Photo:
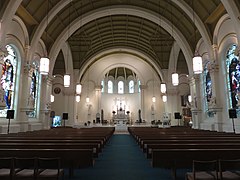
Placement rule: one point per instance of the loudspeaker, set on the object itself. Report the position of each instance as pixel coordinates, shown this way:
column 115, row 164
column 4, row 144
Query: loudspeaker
column 52, row 114
column 177, row 115
column 10, row 114
column 65, row 116
column 232, row 113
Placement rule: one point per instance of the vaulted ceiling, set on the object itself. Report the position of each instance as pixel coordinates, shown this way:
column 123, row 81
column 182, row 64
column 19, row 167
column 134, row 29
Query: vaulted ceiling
column 121, row 30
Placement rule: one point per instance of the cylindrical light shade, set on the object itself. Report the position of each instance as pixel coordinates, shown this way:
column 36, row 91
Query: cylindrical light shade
column 153, row 99
column 78, row 98
column 66, row 80
column 163, row 88
column 175, row 80
column 52, row 98
column 197, row 64
column 87, row 99
column 78, row 89
column 44, row 65
column 164, row 98
column 189, row 98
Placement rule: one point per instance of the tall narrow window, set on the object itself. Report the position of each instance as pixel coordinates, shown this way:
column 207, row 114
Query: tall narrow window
column 233, row 77
column 33, row 98
column 131, row 86
column 102, row 86
column 207, row 85
column 120, row 87
column 110, row 87
column 207, row 82
column 139, row 84
column 8, row 77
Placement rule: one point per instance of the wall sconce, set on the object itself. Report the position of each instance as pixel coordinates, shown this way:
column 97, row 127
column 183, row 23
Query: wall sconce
column 52, row 98
column 163, row 88
column 66, row 80
column 175, row 80
column 87, row 99
column 78, row 88
column 44, row 65
column 154, row 99
column 78, row 98
column 164, row 98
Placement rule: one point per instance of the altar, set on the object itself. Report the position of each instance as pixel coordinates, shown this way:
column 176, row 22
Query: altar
column 121, row 117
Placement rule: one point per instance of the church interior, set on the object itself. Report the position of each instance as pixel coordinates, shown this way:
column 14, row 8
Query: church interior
column 102, row 68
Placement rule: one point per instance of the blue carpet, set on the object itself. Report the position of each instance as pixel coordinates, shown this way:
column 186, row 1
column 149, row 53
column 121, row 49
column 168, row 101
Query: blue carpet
column 122, row 159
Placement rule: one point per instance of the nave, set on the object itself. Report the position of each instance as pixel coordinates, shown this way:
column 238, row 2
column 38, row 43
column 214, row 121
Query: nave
column 123, row 159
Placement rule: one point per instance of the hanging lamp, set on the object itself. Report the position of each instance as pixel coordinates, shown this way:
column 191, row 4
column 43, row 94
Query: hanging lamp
column 67, row 78
column 197, row 59
column 164, row 98
column 78, row 88
column 44, row 61
column 163, row 88
column 78, row 98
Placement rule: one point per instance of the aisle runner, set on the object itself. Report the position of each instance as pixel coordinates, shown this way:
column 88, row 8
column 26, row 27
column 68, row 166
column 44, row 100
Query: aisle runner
column 122, row 159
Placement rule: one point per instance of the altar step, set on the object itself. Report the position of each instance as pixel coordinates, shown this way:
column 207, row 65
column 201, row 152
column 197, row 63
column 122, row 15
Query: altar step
column 121, row 129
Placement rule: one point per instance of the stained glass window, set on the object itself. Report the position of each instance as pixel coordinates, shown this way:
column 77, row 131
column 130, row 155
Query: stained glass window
column 110, row 86
column 120, row 87
column 131, row 86
column 8, row 76
column 33, row 98
column 207, row 82
column 233, row 77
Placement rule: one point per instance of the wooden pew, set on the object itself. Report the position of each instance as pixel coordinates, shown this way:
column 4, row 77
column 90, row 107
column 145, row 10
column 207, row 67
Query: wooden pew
column 70, row 158
column 152, row 147
column 182, row 158
column 94, row 146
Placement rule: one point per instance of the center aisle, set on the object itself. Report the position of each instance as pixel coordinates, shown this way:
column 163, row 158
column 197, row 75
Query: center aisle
column 122, row 159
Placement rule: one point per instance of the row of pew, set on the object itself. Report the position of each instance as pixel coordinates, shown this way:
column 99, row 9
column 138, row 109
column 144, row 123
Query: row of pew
column 76, row 148
column 177, row 147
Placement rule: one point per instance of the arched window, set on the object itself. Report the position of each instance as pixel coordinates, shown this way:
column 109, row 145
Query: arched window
column 131, row 86
column 8, row 78
column 33, row 98
column 233, row 77
column 110, row 86
column 120, row 87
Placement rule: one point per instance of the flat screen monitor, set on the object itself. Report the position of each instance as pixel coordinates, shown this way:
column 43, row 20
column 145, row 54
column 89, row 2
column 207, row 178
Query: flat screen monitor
column 56, row 121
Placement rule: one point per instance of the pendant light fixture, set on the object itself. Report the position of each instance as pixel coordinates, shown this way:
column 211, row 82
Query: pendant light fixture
column 44, row 61
column 164, row 98
column 78, row 98
column 67, row 78
column 87, row 98
column 175, row 80
column 197, row 59
column 153, row 98
column 163, row 88
column 78, row 88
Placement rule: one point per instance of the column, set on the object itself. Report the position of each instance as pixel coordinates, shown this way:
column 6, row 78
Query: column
column 45, row 102
column 142, row 88
column 215, row 103
column 98, row 99
column 24, row 94
column 195, row 87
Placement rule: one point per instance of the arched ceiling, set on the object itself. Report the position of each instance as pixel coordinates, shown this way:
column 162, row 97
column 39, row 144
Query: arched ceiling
column 116, row 31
